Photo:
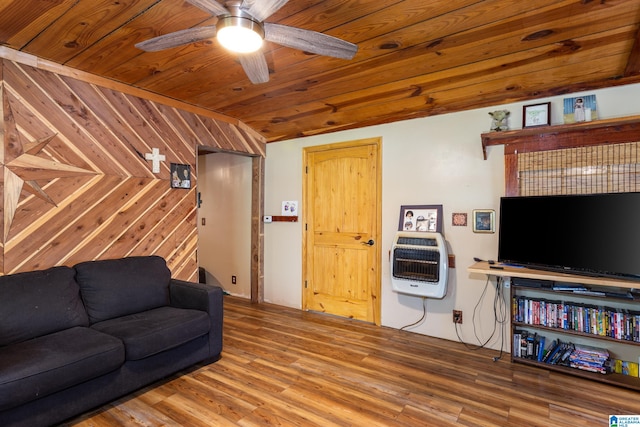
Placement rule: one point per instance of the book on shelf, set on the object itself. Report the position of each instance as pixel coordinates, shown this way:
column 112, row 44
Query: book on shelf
column 561, row 357
column 625, row 368
column 516, row 346
column 589, row 358
column 525, row 344
column 529, row 345
column 541, row 349
column 531, row 342
column 554, row 347
column 532, row 346
column 616, row 323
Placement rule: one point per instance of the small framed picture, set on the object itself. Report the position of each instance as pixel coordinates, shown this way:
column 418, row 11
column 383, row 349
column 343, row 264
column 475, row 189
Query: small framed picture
column 180, row 176
column 290, row 208
column 459, row 219
column 536, row 115
column 421, row 218
column 484, row 221
column 580, row 109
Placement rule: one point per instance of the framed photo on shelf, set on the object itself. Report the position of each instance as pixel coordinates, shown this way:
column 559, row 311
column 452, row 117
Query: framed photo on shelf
column 536, row 115
column 580, row 109
column 426, row 218
column 484, row 221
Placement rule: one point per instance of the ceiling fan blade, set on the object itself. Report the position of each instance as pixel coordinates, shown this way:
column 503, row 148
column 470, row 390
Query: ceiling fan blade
column 178, row 38
column 309, row 41
column 255, row 66
column 211, row 6
column 262, row 9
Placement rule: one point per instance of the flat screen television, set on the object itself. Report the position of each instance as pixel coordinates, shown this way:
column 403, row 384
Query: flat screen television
column 595, row 234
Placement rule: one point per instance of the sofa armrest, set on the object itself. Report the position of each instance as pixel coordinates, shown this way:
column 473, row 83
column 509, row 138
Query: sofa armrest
column 200, row 296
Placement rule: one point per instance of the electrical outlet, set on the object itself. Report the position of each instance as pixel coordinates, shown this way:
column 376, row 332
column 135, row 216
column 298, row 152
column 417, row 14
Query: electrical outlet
column 457, row 316
column 233, row 280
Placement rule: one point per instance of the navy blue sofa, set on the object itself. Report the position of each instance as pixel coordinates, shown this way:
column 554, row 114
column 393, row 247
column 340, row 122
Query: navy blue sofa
column 75, row 338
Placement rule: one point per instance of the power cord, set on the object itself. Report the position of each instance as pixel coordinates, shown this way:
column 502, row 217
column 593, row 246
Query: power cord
column 424, row 314
column 500, row 315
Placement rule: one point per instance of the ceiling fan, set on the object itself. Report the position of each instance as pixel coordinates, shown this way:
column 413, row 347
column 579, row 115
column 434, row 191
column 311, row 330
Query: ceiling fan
column 241, row 28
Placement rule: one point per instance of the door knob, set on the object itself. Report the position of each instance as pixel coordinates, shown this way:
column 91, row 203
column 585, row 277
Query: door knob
column 369, row 243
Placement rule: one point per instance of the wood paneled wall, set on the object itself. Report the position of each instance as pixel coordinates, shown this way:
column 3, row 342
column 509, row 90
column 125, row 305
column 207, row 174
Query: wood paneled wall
column 75, row 182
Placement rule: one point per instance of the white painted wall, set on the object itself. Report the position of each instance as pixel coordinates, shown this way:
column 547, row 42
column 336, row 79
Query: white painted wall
column 434, row 160
column 224, row 243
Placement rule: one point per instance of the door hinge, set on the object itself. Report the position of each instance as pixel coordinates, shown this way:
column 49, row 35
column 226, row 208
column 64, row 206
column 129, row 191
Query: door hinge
column 305, row 226
column 305, row 284
column 306, row 169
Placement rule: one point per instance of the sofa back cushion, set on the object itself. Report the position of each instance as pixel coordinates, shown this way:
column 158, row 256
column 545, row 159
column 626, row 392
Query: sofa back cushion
column 38, row 303
column 117, row 287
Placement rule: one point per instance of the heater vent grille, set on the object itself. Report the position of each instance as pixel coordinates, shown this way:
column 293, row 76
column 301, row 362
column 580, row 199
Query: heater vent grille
column 416, row 264
column 416, row 241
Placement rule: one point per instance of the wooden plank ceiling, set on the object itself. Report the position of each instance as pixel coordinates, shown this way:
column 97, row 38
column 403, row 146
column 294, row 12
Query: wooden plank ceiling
column 416, row 58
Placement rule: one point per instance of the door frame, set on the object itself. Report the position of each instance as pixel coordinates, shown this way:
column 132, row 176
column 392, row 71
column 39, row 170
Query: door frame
column 257, row 211
column 377, row 286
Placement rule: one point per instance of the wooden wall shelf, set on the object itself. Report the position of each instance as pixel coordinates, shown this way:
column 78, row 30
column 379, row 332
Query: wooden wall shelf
column 540, row 138
column 528, row 273
column 284, row 218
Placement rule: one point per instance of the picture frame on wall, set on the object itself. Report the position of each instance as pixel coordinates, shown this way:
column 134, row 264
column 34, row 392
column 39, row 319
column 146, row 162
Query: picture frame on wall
column 484, row 221
column 180, row 176
column 425, row 218
column 536, row 115
column 459, row 219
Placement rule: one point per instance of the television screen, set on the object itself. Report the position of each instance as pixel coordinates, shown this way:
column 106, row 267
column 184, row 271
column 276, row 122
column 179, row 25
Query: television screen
column 595, row 234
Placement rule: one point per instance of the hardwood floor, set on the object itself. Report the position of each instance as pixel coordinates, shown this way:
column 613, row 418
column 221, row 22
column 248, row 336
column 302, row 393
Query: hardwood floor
column 290, row 368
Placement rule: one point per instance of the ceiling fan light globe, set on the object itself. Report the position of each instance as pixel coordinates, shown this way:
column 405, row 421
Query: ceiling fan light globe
column 240, row 35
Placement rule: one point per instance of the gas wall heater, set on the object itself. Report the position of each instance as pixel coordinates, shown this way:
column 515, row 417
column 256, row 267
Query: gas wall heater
column 419, row 264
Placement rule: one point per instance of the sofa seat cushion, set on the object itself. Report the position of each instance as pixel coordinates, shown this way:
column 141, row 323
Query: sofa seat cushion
column 153, row 331
column 38, row 303
column 41, row 366
column 118, row 287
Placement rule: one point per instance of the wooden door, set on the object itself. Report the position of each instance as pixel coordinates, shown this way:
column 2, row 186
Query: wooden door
column 341, row 249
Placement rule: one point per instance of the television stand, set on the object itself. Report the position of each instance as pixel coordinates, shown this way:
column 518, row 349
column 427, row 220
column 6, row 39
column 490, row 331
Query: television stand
column 590, row 303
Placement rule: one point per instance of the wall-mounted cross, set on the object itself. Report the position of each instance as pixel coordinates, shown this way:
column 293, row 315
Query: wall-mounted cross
column 156, row 158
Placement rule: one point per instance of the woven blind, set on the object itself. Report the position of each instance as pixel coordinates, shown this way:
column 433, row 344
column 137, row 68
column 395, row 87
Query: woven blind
column 610, row 168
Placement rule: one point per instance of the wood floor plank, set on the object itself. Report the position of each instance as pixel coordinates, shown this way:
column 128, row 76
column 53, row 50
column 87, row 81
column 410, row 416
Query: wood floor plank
column 281, row 406
column 285, row 367
column 412, row 416
column 137, row 412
